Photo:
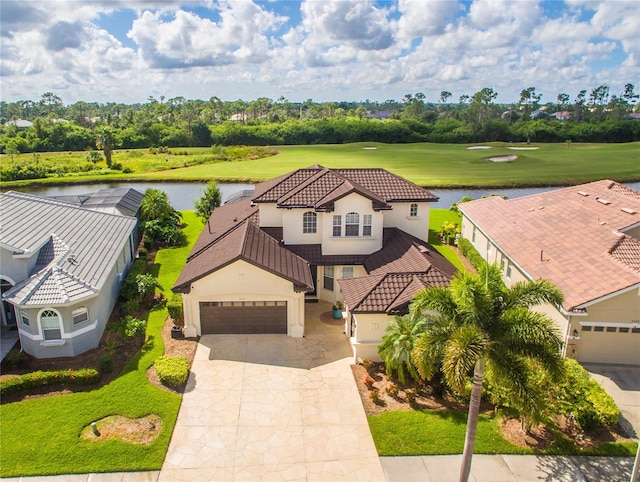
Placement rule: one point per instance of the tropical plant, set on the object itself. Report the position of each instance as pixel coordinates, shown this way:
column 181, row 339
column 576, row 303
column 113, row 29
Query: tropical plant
column 210, row 199
column 161, row 223
column 479, row 322
column 396, row 346
column 106, row 140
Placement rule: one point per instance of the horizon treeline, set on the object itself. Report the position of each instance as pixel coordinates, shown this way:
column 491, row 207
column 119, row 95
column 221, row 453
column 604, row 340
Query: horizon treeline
column 591, row 116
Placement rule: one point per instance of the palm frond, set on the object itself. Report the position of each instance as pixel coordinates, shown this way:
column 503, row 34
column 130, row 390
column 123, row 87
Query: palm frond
column 466, row 345
column 527, row 294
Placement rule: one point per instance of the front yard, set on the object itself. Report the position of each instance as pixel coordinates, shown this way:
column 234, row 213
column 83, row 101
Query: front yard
column 43, row 435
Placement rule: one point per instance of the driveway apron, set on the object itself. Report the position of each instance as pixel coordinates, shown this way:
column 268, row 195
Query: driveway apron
column 271, row 407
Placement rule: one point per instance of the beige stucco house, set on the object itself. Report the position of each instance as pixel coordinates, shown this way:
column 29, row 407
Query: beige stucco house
column 584, row 238
column 351, row 235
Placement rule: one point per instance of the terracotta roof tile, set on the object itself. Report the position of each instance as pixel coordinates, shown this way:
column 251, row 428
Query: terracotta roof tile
column 568, row 236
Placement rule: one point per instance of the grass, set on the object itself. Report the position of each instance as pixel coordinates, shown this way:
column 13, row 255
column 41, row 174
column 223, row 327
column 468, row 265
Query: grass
column 436, row 218
column 431, row 432
column 41, row 436
column 431, row 165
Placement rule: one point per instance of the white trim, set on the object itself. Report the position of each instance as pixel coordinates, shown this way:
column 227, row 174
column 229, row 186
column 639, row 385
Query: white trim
column 65, row 336
column 610, row 323
column 611, row 295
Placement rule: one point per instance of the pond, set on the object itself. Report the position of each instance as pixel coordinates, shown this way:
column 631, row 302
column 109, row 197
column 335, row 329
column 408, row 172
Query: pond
column 183, row 195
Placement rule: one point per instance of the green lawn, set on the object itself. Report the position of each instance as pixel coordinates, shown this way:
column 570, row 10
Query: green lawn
column 431, row 165
column 41, row 436
column 436, row 218
column 430, row 432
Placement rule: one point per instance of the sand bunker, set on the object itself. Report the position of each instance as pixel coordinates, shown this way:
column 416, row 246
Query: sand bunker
column 369, row 148
column 501, row 159
column 523, row 148
column 472, row 148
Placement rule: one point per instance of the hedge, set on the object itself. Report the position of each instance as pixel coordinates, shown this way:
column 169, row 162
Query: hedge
column 471, row 253
column 83, row 376
column 172, row 371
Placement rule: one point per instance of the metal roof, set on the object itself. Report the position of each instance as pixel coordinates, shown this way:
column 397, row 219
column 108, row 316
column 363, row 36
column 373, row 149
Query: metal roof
column 76, row 248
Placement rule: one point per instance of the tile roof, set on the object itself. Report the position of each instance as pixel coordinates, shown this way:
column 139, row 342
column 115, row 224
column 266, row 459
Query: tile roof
column 232, row 235
column 76, row 248
column 571, row 236
column 319, row 187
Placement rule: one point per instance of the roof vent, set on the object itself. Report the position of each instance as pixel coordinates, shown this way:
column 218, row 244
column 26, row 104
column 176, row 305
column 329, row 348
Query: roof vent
column 583, row 193
column 628, row 210
column 603, row 201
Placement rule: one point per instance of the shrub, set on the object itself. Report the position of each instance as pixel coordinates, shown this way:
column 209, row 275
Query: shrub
column 129, row 326
column 16, row 358
column 392, row 390
column 374, row 395
column 174, row 307
column 367, row 364
column 105, row 364
column 83, row 376
column 470, row 252
column 130, row 307
column 172, row 371
column 142, row 253
column 411, row 395
column 94, row 157
column 368, row 381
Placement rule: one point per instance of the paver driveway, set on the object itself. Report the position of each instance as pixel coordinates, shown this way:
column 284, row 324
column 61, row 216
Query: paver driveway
column 270, row 407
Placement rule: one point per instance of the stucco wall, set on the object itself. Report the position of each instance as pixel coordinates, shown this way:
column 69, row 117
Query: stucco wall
column 352, row 244
column 242, row 281
column 336, row 294
column 417, row 226
column 292, row 227
column 15, row 269
column 370, row 328
column 270, row 216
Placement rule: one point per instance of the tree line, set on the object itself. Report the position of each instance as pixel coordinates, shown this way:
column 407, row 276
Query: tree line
column 49, row 125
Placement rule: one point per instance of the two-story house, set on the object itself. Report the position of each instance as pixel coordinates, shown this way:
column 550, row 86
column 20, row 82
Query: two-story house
column 60, row 271
column 258, row 259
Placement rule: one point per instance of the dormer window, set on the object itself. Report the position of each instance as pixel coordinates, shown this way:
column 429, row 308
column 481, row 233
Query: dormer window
column 309, row 223
column 352, row 224
column 413, row 210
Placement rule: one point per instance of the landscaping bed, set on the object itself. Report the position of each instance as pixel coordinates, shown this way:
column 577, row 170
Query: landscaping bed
column 431, row 417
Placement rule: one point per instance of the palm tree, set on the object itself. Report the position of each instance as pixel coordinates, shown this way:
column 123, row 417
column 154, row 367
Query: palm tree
column 396, row 347
column 476, row 322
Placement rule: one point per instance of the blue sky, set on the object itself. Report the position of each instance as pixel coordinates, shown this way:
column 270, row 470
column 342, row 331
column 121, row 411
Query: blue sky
column 326, row 50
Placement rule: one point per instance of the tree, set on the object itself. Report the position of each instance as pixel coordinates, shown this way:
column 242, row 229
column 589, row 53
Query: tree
column 211, row 198
column 444, row 96
column 106, row 140
column 479, row 322
column 396, row 347
column 161, row 223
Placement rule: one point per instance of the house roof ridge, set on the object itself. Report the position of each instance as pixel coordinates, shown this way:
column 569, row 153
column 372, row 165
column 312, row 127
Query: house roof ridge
column 283, row 178
column 322, row 171
column 220, row 237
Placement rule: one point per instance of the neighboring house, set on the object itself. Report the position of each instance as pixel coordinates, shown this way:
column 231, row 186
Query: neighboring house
column 124, row 201
column 586, row 239
column 60, row 266
column 561, row 115
column 297, row 238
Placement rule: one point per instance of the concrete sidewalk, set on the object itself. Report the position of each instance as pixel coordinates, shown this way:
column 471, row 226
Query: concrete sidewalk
column 436, row 468
column 508, row 468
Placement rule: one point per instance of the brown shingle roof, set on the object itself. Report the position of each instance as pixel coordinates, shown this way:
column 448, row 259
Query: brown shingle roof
column 248, row 242
column 570, row 236
column 319, row 187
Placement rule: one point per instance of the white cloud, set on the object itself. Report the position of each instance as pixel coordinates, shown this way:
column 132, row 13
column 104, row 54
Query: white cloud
column 425, row 17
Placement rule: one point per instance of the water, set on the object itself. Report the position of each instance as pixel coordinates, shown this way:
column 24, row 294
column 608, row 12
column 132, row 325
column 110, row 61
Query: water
column 183, row 195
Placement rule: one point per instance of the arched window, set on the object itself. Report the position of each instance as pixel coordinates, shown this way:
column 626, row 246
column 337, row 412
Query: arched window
column 50, row 324
column 309, row 223
column 352, row 224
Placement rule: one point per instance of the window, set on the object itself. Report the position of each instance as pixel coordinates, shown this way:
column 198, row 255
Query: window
column 598, row 328
column 473, row 235
column 413, row 210
column 309, row 223
column 50, row 323
column 624, row 330
column 328, row 278
column 25, row 318
column 337, row 225
column 347, row 271
column 635, row 330
column 489, row 248
column 611, row 329
column 503, row 263
column 352, row 224
column 80, row 315
column 509, row 270
column 366, row 224
column 586, row 328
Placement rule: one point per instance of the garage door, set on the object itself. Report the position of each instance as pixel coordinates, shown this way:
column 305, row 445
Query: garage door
column 243, row 317
column 609, row 344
